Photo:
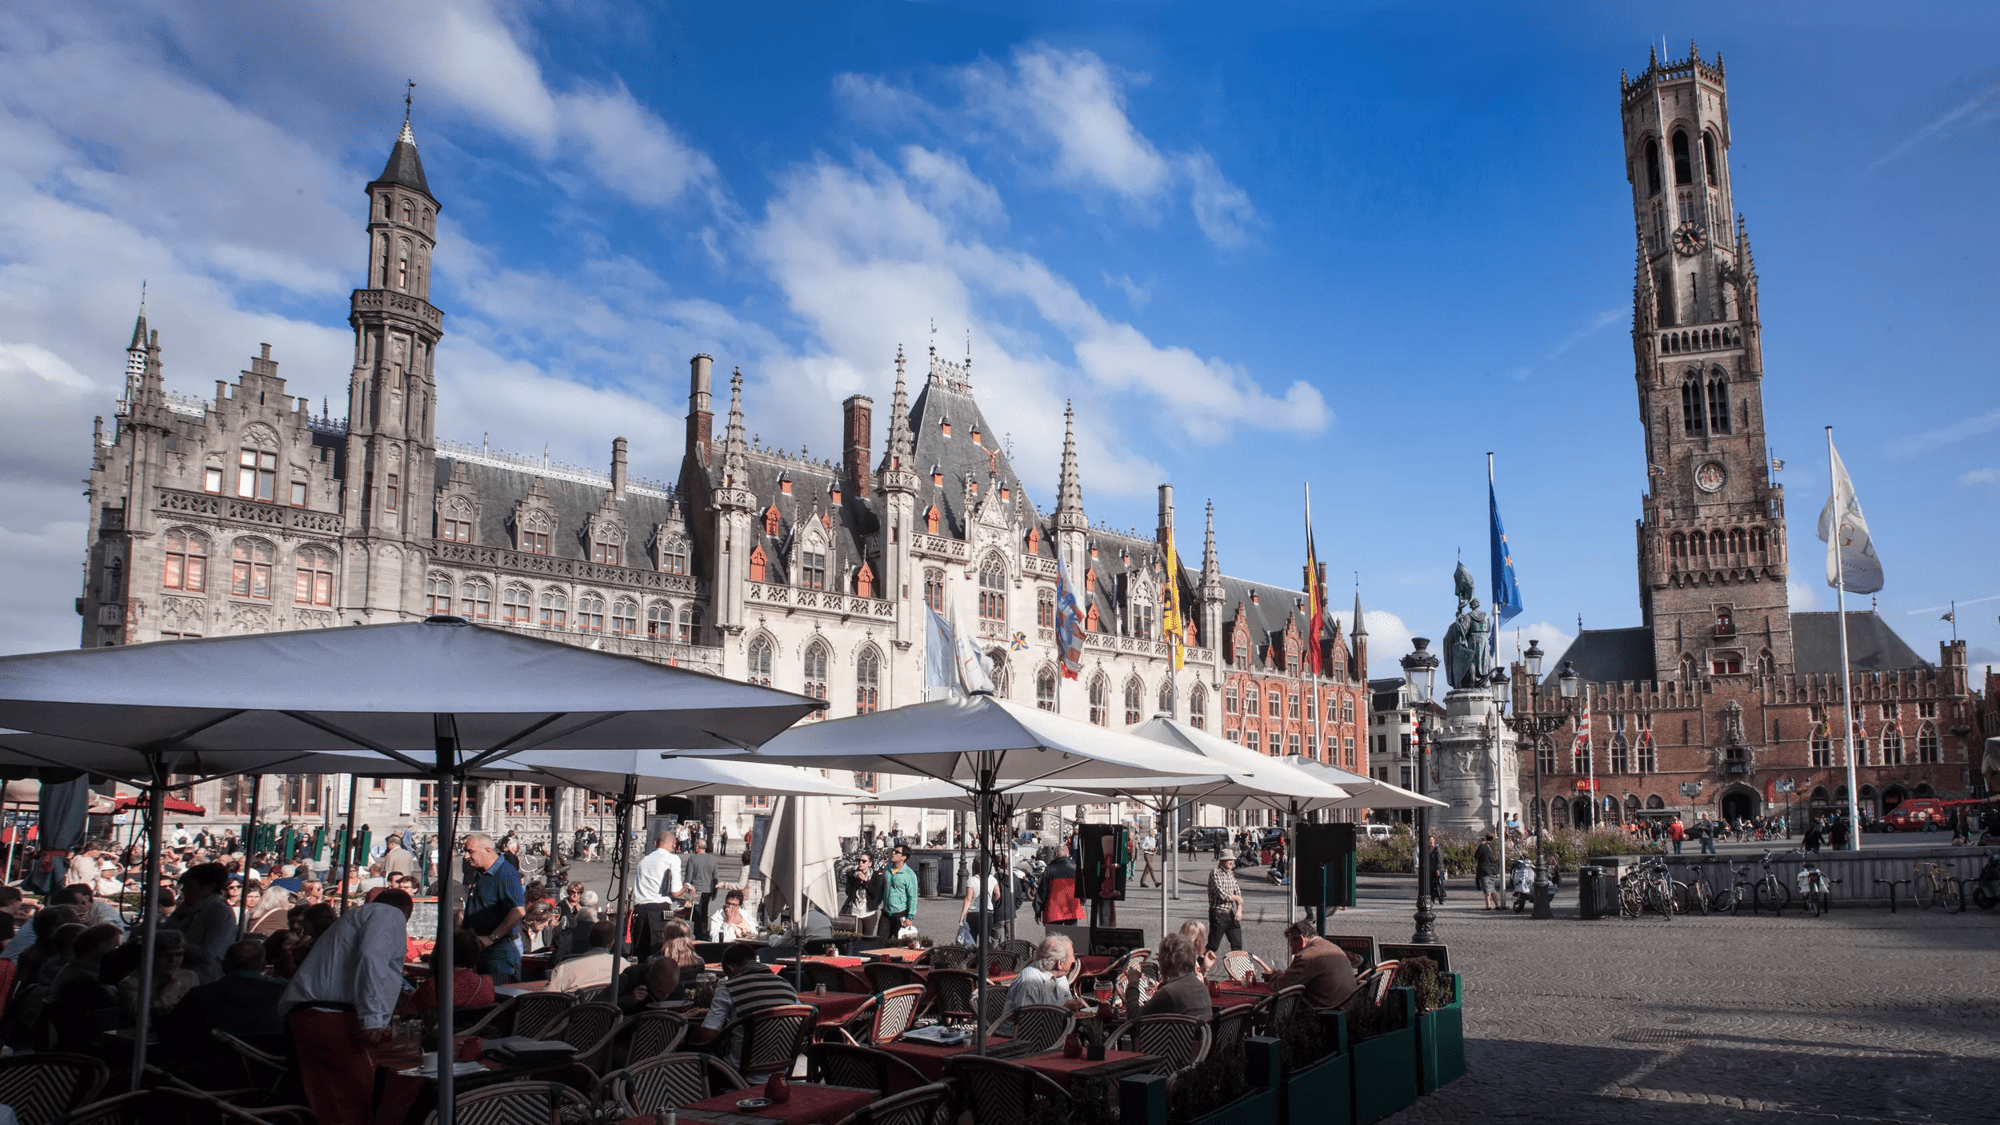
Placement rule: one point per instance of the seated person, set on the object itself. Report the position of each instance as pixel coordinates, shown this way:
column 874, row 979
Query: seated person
column 658, row 984
column 750, row 987
column 1043, row 981
column 590, row 970
column 538, row 928
column 729, row 923
column 1181, row 990
column 286, row 951
column 243, row 1003
column 79, row 1005
column 1318, row 964
column 1197, row 932
column 677, row 944
column 171, row 982
column 470, row 988
column 292, row 883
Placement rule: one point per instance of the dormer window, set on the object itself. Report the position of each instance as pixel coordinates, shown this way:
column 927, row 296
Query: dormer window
column 771, row 519
column 1005, row 494
column 532, row 533
column 758, row 563
column 785, row 486
column 975, row 437
column 945, row 428
column 1034, row 538
column 931, row 520
column 812, row 570
column 864, row 581
column 607, row 553
column 257, row 475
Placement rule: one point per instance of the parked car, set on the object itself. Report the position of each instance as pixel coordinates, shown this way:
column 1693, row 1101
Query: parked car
column 1203, row 839
column 1914, row 814
column 1373, row 832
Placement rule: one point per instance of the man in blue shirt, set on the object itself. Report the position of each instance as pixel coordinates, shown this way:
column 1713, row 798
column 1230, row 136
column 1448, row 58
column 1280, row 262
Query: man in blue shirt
column 495, row 902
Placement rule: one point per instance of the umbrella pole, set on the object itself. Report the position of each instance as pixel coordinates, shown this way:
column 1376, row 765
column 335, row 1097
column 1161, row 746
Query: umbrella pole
column 347, row 860
column 249, row 852
column 1165, row 804
column 150, row 928
column 624, row 864
column 447, row 987
column 793, row 812
column 979, row 888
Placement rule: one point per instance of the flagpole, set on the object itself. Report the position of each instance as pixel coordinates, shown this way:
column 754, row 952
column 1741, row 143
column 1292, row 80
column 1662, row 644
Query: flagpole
column 1499, row 751
column 1846, row 675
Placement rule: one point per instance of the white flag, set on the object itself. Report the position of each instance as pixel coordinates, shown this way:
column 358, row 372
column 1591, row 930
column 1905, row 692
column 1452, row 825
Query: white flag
column 1851, row 553
column 940, row 662
column 973, row 672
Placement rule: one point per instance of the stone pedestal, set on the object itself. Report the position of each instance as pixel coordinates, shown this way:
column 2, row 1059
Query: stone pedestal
column 1473, row 766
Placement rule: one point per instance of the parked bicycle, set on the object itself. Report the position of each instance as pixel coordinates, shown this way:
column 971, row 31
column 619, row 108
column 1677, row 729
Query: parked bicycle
column 1815, row 890
column 1647, row 887
column 1934, row 884
column 1768, row 886
column 1694, row 895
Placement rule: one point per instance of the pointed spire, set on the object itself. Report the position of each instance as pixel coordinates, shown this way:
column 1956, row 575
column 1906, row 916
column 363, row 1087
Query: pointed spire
column 1069, row 489
column 902, row 443
column 1211, row 565
column 735, row 459
column 405, row 168
column 1360, row 624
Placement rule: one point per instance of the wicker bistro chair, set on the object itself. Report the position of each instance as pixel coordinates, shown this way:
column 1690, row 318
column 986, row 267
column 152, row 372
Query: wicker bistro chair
column 881, row 1019
column 885, row 975
column 832, row 976
column 772, row 1039
column 1284, row 1006
column 1181, row 1040
column 520, row 1103
column 843, row 1064
column 1003, row 961
column 537, row 1015
column 952, row 994
column 925, row 1105
column 1023, row 951
column 952, row 956
column 995, row 1007
column 1040, row 1027
column 1241, row 965
column 997, row 1092
column 665, row 1082
column 652, row 1034
column 1228, row 1026
column 591, row 1029
column 41, row 1087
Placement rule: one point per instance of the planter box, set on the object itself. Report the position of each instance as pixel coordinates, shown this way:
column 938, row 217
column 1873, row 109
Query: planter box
column 1142, row 1099
column 1441, row 1041
column 1385, row 1067
column 1322, row 1093
column 1391, row 951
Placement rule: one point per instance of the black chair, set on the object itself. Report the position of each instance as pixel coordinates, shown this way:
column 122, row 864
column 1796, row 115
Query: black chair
column 997, row 1092
column 652, row 1034
column 953, row 993
column 520, row 1103
column 43, row 1086
column 665, row 1082
column 591, row 1029
column 819, row 973
column 1040, row 1027
column 771, row 1039
column 884, row 975
column 1181, row 1040
column 1023, row 951
column 537, row 1015
column 925, row 1105
column 844, row 1064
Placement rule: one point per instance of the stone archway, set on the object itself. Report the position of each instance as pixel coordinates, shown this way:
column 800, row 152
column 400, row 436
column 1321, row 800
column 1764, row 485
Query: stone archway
column 1559, row 813
column 1892, row 796
column 1581, row 813
column 1738, row 802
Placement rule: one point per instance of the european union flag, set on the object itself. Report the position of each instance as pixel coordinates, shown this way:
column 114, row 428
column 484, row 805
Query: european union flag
column 1506, row 591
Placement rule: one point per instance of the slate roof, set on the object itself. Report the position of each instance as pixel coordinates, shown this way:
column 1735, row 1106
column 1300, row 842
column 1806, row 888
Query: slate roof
column 404, row 167
column 1607, row 656
column 1871, row 645
column 812, row 487
column 573, row 502
column 958, row 455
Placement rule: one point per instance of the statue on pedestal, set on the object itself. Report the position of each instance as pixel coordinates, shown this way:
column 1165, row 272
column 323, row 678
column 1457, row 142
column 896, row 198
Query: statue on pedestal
column 1468, row 649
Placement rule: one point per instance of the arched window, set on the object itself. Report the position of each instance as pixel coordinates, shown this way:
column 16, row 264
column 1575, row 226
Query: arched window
column 250, row 568
column 1927, row 744
column 1100, row 701
column 1045, row 608
column 1198, row 707
column 1718, row 403
column 660, row 621
column 555, row 609
column 624, row 617
column 517, row 606
column 815, row 668
column 475, row 600
column 868, row 682
column 1167, row 696
column 1652, row 166
column 1758, row 542
column 1718, row 544
column 313, row 580
column 760, row 661
column 1683, row 160
column 1691, row 405
column 403, row 265
column 408, row 213
column 437, row 590
column 187, row 561
column 690, row 625
column 590, row 613
column 1736, row 541
column 1135, row 695
column 1677, row 545
column 993, row 590
column 934, row 589
column 1045, row 688
column 1765, row 664
column 1708, row 160
column 1698, row 544
column 758, row 563
column 1892, row 746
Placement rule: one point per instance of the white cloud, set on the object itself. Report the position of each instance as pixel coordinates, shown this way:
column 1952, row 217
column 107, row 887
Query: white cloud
column 1070, row 101
column 1980, row 476
column 630, row 149
column 1802, row 595
column 1555, row 641
column 1929, row 440
column 1388, row 642
column 1222, row 209
column 1134, row 292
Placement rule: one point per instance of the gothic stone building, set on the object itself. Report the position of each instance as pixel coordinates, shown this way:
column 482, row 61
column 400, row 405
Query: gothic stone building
column 246, row 513
column 1724, row 700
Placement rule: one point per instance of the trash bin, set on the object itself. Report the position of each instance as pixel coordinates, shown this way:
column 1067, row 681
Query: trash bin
column 1593, row 892
column 927, row 869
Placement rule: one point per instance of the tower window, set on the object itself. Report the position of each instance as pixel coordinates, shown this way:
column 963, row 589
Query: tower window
column 812, row 570
column 1718, row 403
column 934, row 589
column 1683, row 161
column 250, row 568
column 868, row 683
column 187, row 561
column 993, row 590
column 1708, row 156
column 759, row 665
column 1652, row 167
column 1691, row 406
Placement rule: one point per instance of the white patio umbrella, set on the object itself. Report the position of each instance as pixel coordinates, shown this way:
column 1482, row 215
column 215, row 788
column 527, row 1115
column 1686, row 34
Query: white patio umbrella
column 984, row 745
column 933, row 794
column 1364, row 792
column 440, row 693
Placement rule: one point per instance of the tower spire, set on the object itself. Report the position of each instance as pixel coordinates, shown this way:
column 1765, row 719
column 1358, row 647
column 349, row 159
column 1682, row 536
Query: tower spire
column 1069, row 489
column 735, row 459
column 1211, row 564
column 409, row 94
column 1360, row 624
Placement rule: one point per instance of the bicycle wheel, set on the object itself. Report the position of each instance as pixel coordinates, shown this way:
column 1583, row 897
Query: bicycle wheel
column 1725, row 901
column 1779, row 894
column 1630, row 902
column 1663, row 899
column 1698, row 896
column 1954, row 896
column 1925, row 890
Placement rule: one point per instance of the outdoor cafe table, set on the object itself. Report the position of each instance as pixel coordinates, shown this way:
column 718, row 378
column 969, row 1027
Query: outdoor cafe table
column 1228, row 993
column 929, row 1058
column 1067, row 1072
column 520, row 988
column 850, row 968
column 808, row 1104
column 835, row 1007
column 899, row 953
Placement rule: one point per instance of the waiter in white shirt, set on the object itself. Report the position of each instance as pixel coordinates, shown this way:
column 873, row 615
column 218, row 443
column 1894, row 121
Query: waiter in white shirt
column 655, row 887
column 339, row 1003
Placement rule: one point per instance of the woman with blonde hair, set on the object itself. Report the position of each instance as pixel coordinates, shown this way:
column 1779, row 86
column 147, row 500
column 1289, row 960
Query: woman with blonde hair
column 678, row 946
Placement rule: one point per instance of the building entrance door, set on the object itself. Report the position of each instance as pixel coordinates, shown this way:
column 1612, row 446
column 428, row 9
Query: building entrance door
column 1738, row 806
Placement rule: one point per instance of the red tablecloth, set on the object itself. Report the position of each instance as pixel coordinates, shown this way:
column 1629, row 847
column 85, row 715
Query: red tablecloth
column 1061, row 1069
column 808, row 1104
column 834, row 1007
column 850, row 968
column 1095, row 966
column 929, row 1058
column 897, row 954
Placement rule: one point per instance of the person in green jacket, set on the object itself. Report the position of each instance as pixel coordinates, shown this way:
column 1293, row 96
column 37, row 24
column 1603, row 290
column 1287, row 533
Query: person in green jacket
column 899, row 894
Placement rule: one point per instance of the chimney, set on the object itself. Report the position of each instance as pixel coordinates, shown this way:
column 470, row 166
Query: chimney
column 1166, row 513
column 618, row 468
column 856, row 420
column 701, row 417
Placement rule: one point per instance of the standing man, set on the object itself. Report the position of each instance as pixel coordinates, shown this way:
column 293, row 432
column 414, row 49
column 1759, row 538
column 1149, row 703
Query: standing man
column 701, row 879
column 1225, row 905
column 655, row 885
column 1486, row 869
column 1148, row 844
column 398, row 860
column 1059, row 905
column 1676, row 831
column 204, row 920
column 340, row 1001
column 495, row 902
column 899, row 894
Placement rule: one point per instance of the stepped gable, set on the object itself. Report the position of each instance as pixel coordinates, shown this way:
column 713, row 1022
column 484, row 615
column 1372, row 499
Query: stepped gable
column 1267, row 614
column 1871, row 645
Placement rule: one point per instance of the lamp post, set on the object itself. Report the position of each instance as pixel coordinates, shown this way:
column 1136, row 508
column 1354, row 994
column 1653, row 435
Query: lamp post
column 1419, row 672
column 1533, row 727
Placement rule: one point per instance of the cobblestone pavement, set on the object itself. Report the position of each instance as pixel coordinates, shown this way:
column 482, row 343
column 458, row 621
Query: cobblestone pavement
column 1862, row 1016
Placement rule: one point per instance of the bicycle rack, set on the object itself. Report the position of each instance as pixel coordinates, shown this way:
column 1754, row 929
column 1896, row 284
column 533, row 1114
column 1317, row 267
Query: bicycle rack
column 1892, row 891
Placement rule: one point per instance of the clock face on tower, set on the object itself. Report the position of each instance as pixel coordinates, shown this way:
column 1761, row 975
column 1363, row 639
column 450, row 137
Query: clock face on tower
column 1710, row 476
column 1689, row 238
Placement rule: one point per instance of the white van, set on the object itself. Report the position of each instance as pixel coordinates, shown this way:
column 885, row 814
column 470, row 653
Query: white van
column 1374, row 832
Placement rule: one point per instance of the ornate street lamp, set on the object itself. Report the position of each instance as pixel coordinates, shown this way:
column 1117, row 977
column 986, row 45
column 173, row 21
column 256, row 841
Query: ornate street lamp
column 1420, row 672
column 1534, row 727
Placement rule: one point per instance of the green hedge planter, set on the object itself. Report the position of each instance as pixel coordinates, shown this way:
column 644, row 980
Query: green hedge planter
column 1142, row 1099
column 1385, row 1067
column 1323, row 1093
column 1441, row 1040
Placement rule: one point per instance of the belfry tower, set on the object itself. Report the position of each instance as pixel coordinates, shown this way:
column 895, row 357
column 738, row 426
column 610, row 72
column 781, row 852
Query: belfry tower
column 392, row 395
column 1712, row 538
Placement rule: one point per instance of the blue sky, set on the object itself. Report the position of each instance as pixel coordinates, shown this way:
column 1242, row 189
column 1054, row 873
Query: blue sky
column 1356, row 245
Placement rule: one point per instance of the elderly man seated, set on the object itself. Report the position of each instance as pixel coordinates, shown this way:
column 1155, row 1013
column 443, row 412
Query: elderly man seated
column 1046, row 981
column 1318, row 964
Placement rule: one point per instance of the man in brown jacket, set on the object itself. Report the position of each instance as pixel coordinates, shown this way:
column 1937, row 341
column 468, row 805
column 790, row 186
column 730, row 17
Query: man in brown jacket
column 1318, row 964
